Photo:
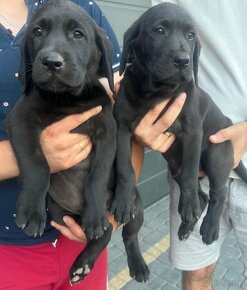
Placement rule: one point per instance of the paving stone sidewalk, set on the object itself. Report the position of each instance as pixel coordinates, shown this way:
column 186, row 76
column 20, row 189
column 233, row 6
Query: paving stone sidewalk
column 154, row 242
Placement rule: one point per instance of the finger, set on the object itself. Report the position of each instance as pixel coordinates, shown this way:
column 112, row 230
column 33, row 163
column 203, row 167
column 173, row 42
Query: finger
column 167, row 143
column 74, row 227
column 148, row 120
column 77, row 142
column 65, row 231
column 62, row 229
column 115, row 224
column 76, row 138
column 117, row 87
column 80, row 145
column 220, row 136
column 170, row 115
column 81, row 155
column 82, row 149
column 73, row 121
column 236, row 163
column 163, row 142
column 116, row 90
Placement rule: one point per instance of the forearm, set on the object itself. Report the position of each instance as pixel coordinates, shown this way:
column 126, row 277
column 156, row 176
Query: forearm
column 137, row 159
column 9, row 167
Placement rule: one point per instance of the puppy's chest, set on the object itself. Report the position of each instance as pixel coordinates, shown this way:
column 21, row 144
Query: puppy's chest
column 190, row 119
column 54, row 114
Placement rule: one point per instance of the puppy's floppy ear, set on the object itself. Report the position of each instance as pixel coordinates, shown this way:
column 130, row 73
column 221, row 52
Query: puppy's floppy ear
column 196, row 54
column 25, row 70
column 105, row 48
column 130, row 37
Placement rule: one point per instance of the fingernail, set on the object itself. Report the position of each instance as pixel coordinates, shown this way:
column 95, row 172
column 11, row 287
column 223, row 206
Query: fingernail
column 212, row 138
column 66, row 220
column 98, row 109
column 182, row 96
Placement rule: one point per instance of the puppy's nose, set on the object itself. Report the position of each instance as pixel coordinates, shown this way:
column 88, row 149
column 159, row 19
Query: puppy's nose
column 181, row 60
column 53, row 61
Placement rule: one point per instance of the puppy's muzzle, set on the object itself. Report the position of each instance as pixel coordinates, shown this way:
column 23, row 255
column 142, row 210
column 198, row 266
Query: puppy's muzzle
column 181, row 60
column 53, row 61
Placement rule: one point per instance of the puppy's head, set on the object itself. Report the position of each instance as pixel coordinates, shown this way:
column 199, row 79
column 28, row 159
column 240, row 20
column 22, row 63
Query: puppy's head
column 63, row 49
column 163, row 45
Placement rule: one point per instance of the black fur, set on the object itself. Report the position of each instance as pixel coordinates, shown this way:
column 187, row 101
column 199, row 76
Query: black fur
column 63, row 54
column 160, row 59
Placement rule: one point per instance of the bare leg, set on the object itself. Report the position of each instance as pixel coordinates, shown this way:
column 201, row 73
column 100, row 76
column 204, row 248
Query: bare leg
column 199, row 279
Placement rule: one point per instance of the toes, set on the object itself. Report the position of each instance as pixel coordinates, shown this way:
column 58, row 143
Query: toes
column 96, row 232
column 123, row 214
column 140, row 275
column 32, row 223
column 80, row 274
column 95, row 226
column 209, row 231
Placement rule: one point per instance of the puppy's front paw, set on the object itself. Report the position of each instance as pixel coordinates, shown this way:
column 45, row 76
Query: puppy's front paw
column 95, row 222
column 31, row 219
column 123, row 209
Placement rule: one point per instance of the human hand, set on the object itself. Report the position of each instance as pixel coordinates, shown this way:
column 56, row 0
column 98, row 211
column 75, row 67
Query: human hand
column 151, row 134
column 237, row 133
column 74, row 232
column 62, row 148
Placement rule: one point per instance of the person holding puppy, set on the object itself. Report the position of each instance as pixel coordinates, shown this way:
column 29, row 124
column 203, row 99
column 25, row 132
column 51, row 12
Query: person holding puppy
column 43, row 262
column 222, row 73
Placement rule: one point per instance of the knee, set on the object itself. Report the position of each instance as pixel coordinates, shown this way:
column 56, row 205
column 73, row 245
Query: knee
column 202, row 276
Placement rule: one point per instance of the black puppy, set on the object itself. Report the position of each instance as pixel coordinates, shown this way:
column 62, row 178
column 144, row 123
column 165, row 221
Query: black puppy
column 64, row 53
column 160, row 59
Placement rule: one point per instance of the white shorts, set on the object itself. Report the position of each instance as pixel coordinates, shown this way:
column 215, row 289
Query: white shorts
column 193, row 254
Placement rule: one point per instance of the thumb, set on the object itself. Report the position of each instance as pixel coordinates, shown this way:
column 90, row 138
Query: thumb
column 220, row 136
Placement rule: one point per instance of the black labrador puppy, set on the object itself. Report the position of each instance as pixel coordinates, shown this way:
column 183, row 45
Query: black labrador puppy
column 160, row 60
column 64, row 53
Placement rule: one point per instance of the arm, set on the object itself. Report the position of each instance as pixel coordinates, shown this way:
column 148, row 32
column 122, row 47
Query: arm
column 61, row 148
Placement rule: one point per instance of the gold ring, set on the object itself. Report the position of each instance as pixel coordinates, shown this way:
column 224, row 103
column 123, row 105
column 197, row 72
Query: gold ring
column 168, row 134
column 81, row 146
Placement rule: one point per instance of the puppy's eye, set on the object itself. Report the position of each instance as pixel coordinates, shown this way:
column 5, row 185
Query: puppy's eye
column 160, row 30
column 191, row 35
column 37, row 31
column 78, row 34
